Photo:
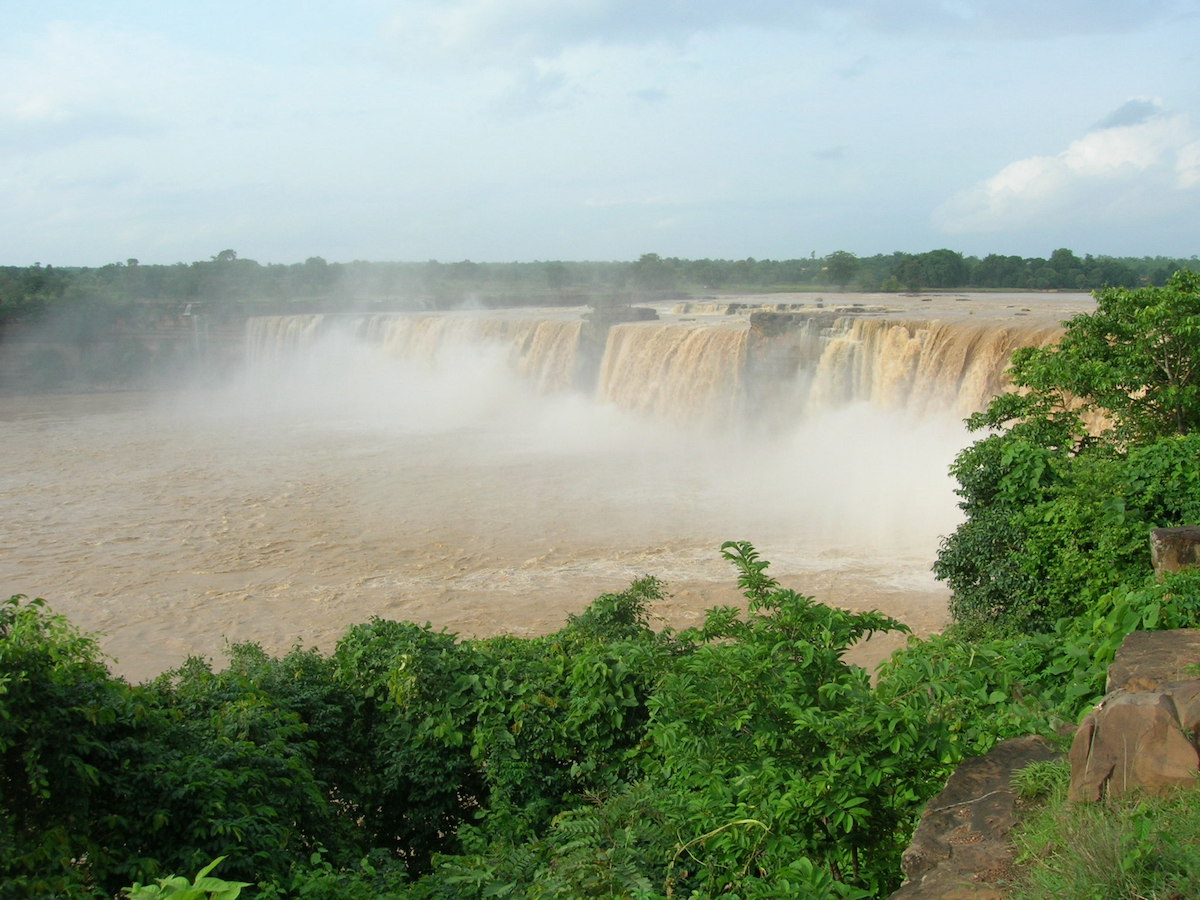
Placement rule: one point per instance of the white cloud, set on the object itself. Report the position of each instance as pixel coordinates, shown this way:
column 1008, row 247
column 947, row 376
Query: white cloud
column 1120, row 171
column 72, row 71
column 509, row 29
column 1187, row 164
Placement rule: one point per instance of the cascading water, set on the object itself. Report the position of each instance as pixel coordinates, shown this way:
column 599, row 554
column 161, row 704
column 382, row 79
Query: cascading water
column 271, row 338
column 923, row 367
column 545, row 351
column 675, row 373
column 490, row 472
column 708, row 372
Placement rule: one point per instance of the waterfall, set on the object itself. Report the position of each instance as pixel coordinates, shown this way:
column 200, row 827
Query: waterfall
column 675, row 372
column 714, row 370
column 274, row 337
column 712, row 374
column 917, row 366
column 544, row 351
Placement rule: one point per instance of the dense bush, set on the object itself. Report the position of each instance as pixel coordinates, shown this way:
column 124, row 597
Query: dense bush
column 604, row 759
column 742, row 757
column 1098, row 446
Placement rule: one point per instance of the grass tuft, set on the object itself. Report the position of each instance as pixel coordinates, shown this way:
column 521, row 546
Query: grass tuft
column 1141, row 847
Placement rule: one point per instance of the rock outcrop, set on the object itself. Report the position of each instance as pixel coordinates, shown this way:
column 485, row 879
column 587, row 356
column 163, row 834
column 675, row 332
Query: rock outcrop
column 1173, row 549
column 1148, row 659
column 961, row 849
column 1143, row 734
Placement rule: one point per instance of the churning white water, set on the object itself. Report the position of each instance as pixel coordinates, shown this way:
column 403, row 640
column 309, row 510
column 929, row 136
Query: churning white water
column 342, row 476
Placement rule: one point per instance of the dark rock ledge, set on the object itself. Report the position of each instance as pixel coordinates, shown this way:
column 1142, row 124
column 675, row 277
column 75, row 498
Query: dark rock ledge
column 1143, row 735
column 961, row 849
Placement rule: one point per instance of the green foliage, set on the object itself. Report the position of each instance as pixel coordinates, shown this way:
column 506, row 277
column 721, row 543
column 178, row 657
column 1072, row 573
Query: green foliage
column 974, row 692
column 1042, row 779
column 234, row 770
column 102, row 783
column 841, row 267
column 412, row 780
column 1088, row 644
column 744, row 757
column 618, row 617
column 1085, row 535
column 1058, row 509
column 60, row 722
column 506, row 730
column 176, row 887
column 762, row 720
column 766, row 768
column 1133, row 365
column 935, row 269
column 612, row 845
column 557, row 720
column 1051, row 570
column 1128, row 847
column 1136, row 359
column 377, row 876
column 1029, row 554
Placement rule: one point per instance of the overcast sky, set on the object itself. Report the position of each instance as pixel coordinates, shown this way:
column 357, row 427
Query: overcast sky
column 498, row 130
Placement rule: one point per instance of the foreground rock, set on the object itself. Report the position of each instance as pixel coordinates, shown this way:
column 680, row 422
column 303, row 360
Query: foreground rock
column 961, row 849
column 1142, row 735
column 1175, row 549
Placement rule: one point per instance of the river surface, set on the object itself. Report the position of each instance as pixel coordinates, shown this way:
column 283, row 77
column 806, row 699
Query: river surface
column 312, row 494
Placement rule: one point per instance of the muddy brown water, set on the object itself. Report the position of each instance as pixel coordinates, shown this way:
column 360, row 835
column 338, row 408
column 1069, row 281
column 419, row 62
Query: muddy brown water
column 343, row 483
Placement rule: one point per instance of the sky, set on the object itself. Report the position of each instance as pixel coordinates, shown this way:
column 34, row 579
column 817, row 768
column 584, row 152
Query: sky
column 522, row 130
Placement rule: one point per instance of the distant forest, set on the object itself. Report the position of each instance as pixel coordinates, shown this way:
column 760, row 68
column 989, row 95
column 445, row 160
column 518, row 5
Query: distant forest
column 242, row 286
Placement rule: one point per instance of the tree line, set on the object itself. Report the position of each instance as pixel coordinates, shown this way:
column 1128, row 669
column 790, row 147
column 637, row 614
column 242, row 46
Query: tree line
column 28, row 293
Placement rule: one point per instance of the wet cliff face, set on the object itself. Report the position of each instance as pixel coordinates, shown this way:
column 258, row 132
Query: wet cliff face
column 676, row 372
column 723, row 367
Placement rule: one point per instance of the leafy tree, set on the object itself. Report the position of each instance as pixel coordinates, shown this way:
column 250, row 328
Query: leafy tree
column 557, row 276
column 653, row 273
column 1068, row 269
column 778, row 749
column 1000, row 271
column 275, row 734
column 841, row 267
column 1129, row 371
column 53, row 723
column 935, row 269
column 412, row 781
column 1096, row 446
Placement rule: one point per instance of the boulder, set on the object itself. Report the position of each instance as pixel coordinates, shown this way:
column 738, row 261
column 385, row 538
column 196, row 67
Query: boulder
column 961, row 849
column 1142, row 735
column 1132, row 741
column 1148, row 659
column 1173, row 549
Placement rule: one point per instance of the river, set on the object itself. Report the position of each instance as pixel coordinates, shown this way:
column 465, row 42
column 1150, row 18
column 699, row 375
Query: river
column 341, row 481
